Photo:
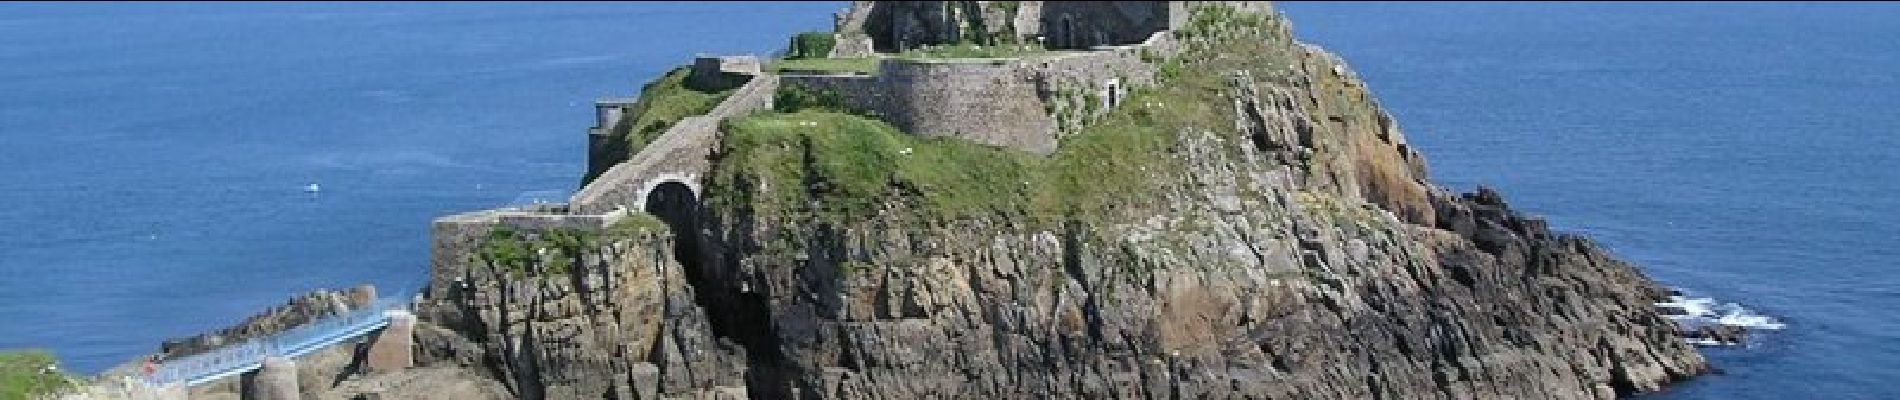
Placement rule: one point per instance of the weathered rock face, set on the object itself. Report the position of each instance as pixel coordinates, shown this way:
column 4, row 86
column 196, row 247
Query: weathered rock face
column 621, row 322
column 1291, row 249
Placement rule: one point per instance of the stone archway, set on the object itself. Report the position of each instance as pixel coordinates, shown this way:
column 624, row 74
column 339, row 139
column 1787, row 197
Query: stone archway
column 677, row 204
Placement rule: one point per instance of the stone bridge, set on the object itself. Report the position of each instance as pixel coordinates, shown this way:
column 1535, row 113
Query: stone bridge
column 672, row 165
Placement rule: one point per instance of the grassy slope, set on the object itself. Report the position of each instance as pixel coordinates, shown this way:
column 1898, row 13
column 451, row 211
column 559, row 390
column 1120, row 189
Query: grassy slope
column 833, row 166
column 23, row 376
column 856, row 163
column 662, row 103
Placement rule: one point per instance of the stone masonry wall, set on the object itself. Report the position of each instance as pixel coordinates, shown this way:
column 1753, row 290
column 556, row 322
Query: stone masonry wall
column 992, row 102
column 1018, row 103
column 453, row 238
column 1082, row 86
column 859, row 92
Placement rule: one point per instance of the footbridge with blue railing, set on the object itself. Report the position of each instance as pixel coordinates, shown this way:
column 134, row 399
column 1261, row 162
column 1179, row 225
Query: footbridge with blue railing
column 250, row 355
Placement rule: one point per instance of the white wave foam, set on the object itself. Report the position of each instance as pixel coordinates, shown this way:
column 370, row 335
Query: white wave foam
column 1691, row 313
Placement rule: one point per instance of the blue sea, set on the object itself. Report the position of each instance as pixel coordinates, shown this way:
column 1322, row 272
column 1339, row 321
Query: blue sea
column 156, row 154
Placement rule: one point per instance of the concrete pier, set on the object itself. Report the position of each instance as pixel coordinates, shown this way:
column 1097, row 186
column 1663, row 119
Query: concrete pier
column 276, row 380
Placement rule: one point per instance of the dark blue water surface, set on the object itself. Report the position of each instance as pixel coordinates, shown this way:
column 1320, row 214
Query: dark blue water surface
column 1747, row 151
column 155, row 153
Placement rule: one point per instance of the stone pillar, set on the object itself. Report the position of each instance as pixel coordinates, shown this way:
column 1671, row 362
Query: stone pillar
column 362, row 296
column 275, row 380
column 394, row 347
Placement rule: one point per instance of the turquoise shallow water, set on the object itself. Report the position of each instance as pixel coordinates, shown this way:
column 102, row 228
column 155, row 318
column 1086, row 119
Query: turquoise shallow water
column 157, row 153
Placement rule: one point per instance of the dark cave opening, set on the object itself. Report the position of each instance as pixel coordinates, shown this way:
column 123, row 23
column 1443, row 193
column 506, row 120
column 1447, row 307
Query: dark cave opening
column 734, row 313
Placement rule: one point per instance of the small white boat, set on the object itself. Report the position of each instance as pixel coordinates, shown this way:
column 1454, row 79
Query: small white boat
column 312, row 188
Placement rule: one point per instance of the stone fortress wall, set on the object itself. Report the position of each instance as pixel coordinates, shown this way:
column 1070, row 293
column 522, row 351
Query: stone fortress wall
column 678, row 155
column 1024, row 103
column 453, row 238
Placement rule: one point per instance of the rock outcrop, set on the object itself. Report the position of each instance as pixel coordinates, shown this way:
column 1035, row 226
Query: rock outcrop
column 1289, row 249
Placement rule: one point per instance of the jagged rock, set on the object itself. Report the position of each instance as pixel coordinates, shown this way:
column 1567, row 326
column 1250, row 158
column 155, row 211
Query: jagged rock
column 298, row 311
column 1724, row 334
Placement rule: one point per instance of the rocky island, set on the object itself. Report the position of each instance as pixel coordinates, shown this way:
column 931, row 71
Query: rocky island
column 990, row 199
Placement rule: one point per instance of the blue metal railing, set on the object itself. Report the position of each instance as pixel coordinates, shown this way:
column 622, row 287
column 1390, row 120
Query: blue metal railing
column 242, row 357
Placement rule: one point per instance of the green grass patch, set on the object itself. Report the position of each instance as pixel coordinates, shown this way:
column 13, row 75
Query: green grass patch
column 31, row 374
column 837, row 166
column 538, row 253
column 505, row 248
column 856, row 65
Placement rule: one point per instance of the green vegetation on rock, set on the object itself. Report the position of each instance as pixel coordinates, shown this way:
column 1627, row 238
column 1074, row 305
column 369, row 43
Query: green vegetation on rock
column 635, row 224
column 810, row 45
column 538, row 253
column 836, row 165
column 818, row 163
column 794, row 97
column 662, row 103
column 505, row 248
column 555, row 251
column 31, row 374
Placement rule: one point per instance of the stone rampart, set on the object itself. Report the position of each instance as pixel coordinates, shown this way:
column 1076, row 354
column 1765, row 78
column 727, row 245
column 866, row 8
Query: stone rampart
column 454, row 238
column 989, row 101
column 1023, row 103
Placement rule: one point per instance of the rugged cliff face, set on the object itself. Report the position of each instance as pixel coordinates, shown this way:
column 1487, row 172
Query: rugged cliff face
column 1255, row 226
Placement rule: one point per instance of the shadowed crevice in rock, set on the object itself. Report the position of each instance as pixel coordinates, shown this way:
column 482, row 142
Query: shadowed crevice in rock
column 734, row 313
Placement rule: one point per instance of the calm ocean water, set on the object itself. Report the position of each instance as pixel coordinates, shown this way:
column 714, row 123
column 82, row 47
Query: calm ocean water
column 1746, row 151
column 157, row 153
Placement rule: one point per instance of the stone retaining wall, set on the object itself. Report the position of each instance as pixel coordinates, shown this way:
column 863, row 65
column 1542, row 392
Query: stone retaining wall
column 1022, row 103
column 989, row 101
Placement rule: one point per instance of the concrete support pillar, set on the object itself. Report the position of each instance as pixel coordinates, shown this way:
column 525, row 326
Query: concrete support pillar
column 394, row 347
column 276, row 380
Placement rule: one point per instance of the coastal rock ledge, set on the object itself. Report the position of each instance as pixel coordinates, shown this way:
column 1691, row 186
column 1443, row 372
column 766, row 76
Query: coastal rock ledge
column 1245, row 222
